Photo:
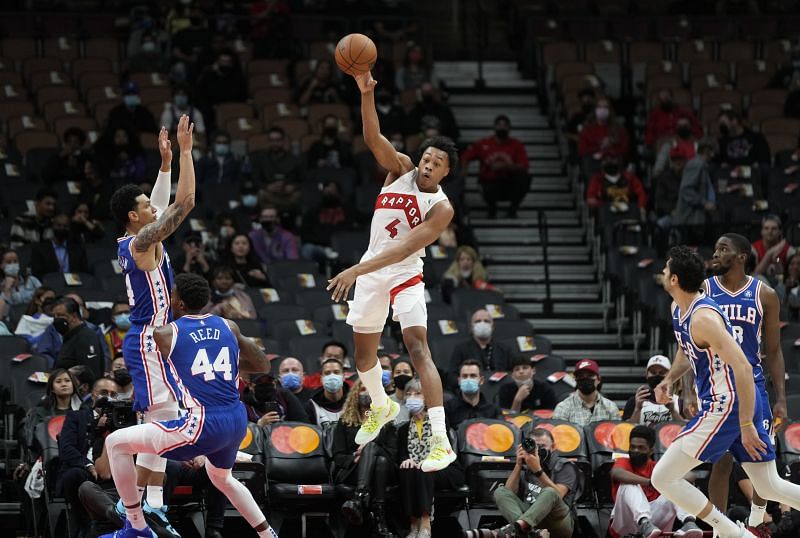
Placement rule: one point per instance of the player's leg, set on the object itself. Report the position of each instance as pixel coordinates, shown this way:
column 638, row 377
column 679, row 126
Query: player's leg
column 770, row 485
column 630, row 507
column 154, row 466
column 241, row 499
column 758, row 507
column 719, row 482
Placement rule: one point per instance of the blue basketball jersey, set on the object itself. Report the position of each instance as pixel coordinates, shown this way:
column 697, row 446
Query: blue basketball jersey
column 205, row 357
column 744, row 311
column 148, row 291
column 713, row 377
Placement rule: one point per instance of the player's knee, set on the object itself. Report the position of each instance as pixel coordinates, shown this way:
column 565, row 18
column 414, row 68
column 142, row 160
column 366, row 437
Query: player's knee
column 416, row 347
column 660, row 477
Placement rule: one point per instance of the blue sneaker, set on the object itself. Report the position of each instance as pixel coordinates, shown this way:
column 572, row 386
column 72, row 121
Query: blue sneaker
column 128, row 531
column 119, row 508
column 161, row 516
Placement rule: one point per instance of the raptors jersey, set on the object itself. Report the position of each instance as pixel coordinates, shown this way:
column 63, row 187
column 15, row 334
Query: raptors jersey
column 744, row 310
column 399, row 208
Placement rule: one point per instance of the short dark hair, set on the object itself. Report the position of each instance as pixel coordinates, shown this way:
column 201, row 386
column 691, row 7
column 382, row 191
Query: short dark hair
column 70, row 305
column 772, row 217
column 521, row 360
column 220, row 269
column 542, row 432
column 740, row 242
column 46, row 192
column 83, row 374
column 444, row 144
column 401, row 360
column 707, row 143
column 470, row 362
column 502, row 117
column 123, row 201
column 334, row 343
column 688, row 266
column 644, row 432
column 331, row 359
column 193, row 290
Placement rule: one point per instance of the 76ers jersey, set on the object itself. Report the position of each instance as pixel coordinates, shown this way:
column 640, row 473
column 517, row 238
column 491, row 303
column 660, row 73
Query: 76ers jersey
column 743, row 308
column 205, row 356
column 399, row 208
column 148, row 291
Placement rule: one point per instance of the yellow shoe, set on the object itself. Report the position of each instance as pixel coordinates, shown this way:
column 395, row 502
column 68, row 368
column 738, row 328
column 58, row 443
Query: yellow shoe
column 440, row 456
column 376, row 418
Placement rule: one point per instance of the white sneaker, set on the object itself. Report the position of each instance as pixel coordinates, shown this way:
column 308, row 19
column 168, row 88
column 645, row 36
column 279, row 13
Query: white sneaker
column 377, row 417
column 440, row 456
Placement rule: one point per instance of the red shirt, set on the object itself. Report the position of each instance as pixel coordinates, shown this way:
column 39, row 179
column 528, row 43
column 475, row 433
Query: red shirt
column 590, row 141
column 647, row 471
column 761, row 250
column 661, row 123
column 490, row 150
column 604, row 191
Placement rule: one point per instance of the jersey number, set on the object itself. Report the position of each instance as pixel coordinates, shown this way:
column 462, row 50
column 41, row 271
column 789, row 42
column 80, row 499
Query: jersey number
column 738, row 334
column 222, row 363
column 392, row 228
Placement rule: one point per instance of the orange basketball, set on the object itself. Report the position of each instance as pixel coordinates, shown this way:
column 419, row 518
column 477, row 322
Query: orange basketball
column 355, row 54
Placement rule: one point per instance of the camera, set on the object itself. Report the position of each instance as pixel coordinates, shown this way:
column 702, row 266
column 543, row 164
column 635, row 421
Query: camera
column 529, row 445
column 120, row 413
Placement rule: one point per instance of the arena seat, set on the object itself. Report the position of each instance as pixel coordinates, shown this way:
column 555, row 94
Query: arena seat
column 63, row 47
column 57, row 282
column 46, row 435
column 606, row 441
column 19, row 373
column 308, row 350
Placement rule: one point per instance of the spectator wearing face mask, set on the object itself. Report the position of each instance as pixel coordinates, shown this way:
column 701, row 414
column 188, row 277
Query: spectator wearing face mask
column 267, row 403
column 280, row 173
column 327, row 403
column 332, row 214
column 60, row 254
column 18, row 285
column 586, row 404
column 402, row 372
column 574, row 124
column 291, row 375
column 180, row 105
column 641, row 408
column 684, row 142
column 391, row 116
column 219, row 165
column 601, row 135
column 465, row 272
column 271, row 242
column 663, row 120
column 221, row 82
column 668, row 183
column 50, row 341
column 490, row 354
column 247, row 210
column 38, row 316
column 525, row 394
column 470, row 402
column 119, row 374
column 150, row 57
column 330, row 350
column 330, row 151
column 130, row 115
column 615, row 188
column 739, row 145
column 431, row 106
column 227, row 300
column 68, row 164
column 121, row 322
column 82, row 345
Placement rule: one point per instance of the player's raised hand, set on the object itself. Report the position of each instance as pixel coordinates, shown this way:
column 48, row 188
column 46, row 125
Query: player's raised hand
column 663, row 392
column 185, row 132
column 341, row 284
column 365, row 82
column 752, row 443
column 164, row 147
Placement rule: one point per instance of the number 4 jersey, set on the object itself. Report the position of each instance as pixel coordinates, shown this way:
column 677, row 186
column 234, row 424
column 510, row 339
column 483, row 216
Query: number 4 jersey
column 205, row 356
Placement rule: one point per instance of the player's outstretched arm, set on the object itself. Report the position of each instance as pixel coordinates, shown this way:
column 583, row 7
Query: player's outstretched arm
column 252, row 360
column 774, row 354
column 680, row 365
column 394, row 162
column 159, row 197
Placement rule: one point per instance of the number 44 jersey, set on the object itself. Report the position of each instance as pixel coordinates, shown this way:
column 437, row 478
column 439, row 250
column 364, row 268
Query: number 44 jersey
column 205, row 355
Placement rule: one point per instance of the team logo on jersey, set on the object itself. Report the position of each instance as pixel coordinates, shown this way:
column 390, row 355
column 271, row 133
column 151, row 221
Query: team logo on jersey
column 405, row 202
column 748, row 293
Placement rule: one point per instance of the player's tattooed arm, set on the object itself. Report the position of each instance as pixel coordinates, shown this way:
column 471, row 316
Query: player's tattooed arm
column 252, row 359
column 166, row 224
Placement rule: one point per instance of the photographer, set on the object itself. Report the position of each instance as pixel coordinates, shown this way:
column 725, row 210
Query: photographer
column 267, row 403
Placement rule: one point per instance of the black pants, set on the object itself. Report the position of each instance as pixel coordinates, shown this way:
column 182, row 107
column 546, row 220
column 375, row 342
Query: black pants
column 512, row 188
column 417, row 488
column 69, row 482
column 373, row 472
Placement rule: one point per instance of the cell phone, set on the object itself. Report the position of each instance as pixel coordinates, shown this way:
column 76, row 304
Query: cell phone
column 270, row 407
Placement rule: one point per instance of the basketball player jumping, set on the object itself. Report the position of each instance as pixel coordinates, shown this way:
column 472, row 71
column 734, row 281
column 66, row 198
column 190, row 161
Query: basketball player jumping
column 204, row 351
column 411, row 212
column 148, row 279
column 725, row 387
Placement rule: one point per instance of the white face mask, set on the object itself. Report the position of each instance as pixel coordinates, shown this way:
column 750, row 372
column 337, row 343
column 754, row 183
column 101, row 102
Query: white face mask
column 466, row 273
column 482, row 329
column 11, row 269
column 612, row 179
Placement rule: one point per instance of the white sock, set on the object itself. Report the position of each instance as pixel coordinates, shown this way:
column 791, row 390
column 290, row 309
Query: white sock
column 155, row 497
column 269, row 532
column 436, row 416
column 136, row 517
column 724, row 526
column 756, row 515
column 373, row 380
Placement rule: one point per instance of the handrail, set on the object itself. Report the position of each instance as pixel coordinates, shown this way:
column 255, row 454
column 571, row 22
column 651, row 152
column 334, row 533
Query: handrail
column 544, row 238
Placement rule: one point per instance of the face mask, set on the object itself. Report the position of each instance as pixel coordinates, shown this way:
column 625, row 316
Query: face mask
column 330, row 132
column 61, row 326
column 400, row 381
column 364, row 400
column 268, row 226
column 148, row 46
column 386, row 377
column 61, row 234
column 249, row 200
column 291, row 381
column 11, row 269
column 225, row 232
column 466, row 273
column 221, row 149
column 684, row 131
column 586, row 386
column 612, row 179
column 667, row 106
column 637, row 459
column 469, row 386
column 724, row 130
column 415, row 405
column 482, row 330
column 122, row 377
column 333, row 382
column 655, row 380
column 264, row 392
column 228, row 293
column 181, row 101
column 502, row 134
column 601, row 113
column 122, row 321
column 521, row 382
column 131, row 100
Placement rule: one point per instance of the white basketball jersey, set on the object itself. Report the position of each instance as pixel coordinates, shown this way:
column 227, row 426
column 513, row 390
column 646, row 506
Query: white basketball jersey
column 399, row 208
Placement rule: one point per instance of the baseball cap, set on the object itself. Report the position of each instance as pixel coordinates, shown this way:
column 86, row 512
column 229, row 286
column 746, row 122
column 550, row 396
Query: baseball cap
column 588, row 365
column 659, row 360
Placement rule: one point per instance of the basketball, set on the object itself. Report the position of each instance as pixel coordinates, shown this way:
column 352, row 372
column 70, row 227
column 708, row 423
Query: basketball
column 355, row 54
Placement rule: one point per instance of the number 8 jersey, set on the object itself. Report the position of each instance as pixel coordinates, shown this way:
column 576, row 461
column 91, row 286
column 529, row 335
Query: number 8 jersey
column 205, row 355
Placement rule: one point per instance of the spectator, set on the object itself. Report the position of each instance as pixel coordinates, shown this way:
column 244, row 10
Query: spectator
column 402, row 372
column 85, row 378
column 327, row 403
column 791, row 107
column 18, row 286
column 267, row 403
column 130, row 115
column 613, row 188
column 220, row 238
column 38, row 316
column 525, row 394
column 417, row 488
column 481, row 347
column 391, row 116
column 60, row 254
column 320, row 87
column 466, row 272
column 663, row 119
column 601, row 135
column 247, row 211
column 321, row 222
column 271, row 242
column 34, row 227
column 416, row 70
column 772, row 250
column 68, row 164
column 470, row 402
column 228, row 300
column 789, row 290
column 641, row 408
column 291, row 375
column 586, row 404
column 222, row 82
column 271, row 29
column 685, row 143
column 120, row 323
column 188, row 44
column 149, row 59
column 574, row 124
column 330, row 151
column 179, row 106
column 241, row 257
column 696, row 196
column 122, row 156
column 83, row 228
column 431, row 106
column 219, row 165
column 667, row 186
column 331, row 350
column 638, row 506
column 81, row 344
column 503, row 171
column 193, row 259
column 279, row 171
column 96, row 189
column 120, row 375
column 369, row 467
column 50, row 342
column 739, row 145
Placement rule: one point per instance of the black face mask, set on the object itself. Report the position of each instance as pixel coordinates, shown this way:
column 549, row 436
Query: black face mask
column 427, row 98
column 724, row 130
column 587, row 107
column 637, row 459
column 400, row 381
column 265, row 392
column 586, row 386
column 61, row 326
column 502, row 134
column 60, row 234
column 667, row 106
column 268, row 225
column 122, row 377
column 684, row 131
column 329, row 200
column 330, row 132
column 655, row 380
column 612, row 169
